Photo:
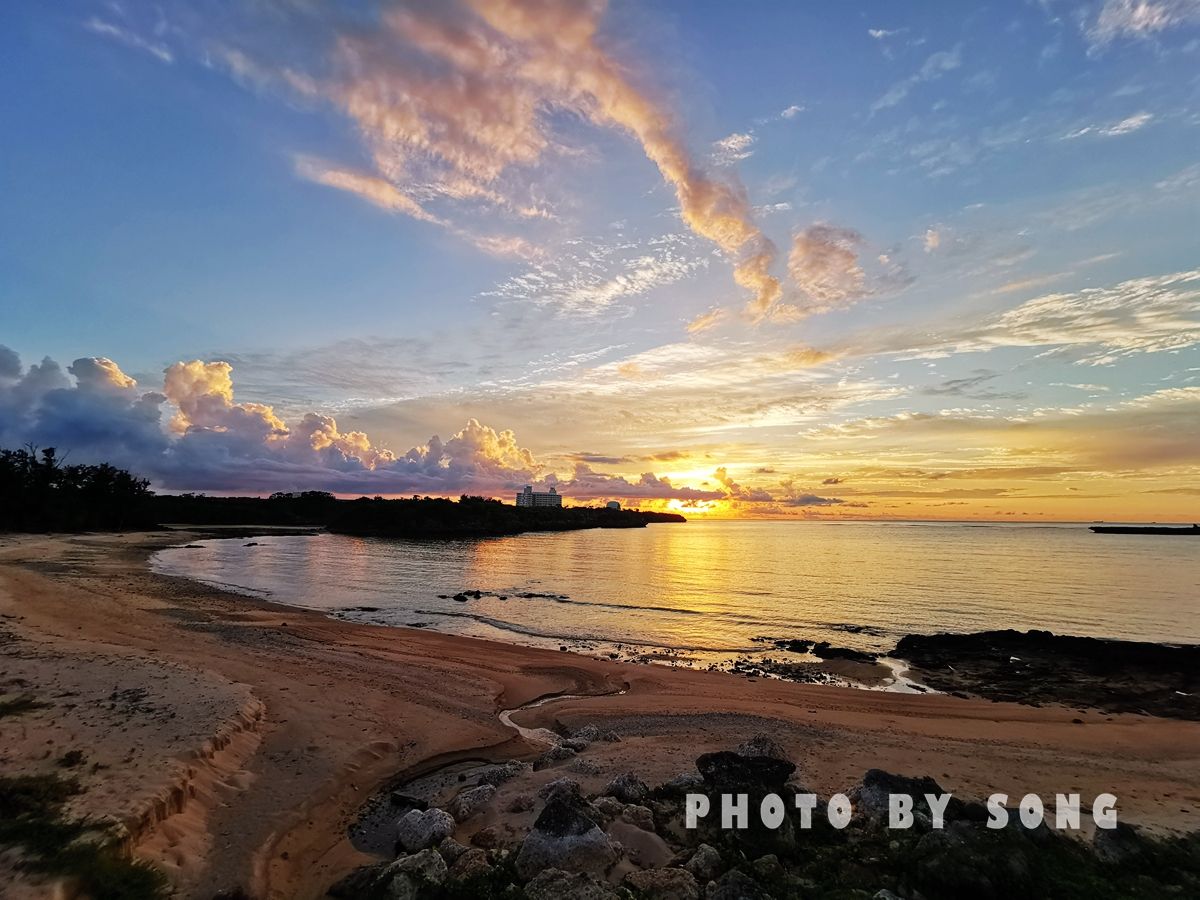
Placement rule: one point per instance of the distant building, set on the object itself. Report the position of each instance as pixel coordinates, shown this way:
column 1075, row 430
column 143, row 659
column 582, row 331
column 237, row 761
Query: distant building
column 530, row 497
column 613, row 504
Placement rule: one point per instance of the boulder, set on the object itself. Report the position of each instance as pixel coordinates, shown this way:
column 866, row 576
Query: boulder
column 965, row 861
column 664, row 884
column 451, row 850
column 870, row 797
column 568, row 787
column 1118, row 845
column 729, row 772
column 609, row 807
column 627, row 788
column 768, row 869
column 470, row 865
column 640, row 816
column 706, row 863
column 581, row 766
column 557, row 753
column 763, row 745
column 555, row 884
column 488, row 838
column 685, row 783
column 419, row 829
column 471, row 801
column 566, row 836
column 589, row 734
column 427, row 866
column 735, row 885
column 520, row 803
column 414, row 876
column 499, row 774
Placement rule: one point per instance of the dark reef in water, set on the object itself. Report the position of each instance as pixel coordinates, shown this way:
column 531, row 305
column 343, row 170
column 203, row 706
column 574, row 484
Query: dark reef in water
column 1038, row 667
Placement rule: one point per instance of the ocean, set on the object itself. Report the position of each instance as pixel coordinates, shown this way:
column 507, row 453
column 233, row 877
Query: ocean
column 702, row 592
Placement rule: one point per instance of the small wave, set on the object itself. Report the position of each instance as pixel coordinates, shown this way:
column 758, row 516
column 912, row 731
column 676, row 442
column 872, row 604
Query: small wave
column 600, row 603
column 529, row 631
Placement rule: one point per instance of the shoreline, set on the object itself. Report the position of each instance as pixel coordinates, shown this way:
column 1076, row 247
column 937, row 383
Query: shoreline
column 347, row 708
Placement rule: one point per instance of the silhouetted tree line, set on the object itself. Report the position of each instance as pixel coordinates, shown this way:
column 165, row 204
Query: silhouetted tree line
column 39, row 492
column 426, row 517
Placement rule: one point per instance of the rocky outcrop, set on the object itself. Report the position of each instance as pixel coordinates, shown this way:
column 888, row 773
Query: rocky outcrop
column 1037, row 667
column 575, row 844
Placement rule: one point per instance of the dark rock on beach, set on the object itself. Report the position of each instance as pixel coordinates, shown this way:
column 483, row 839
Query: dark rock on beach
column 602, row 848
column 1039, row 667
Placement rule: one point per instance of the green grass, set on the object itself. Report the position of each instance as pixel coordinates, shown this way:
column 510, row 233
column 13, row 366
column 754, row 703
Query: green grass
column 32, row 820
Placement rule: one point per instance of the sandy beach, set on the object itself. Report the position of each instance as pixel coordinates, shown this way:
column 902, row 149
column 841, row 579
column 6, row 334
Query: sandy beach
column 235, row 740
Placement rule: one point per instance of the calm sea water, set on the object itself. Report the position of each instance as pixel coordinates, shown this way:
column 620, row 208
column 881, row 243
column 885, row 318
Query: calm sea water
column 707, row 589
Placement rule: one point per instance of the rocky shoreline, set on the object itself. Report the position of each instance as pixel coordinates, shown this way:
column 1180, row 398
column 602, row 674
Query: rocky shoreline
column 630, row 840
column 1040, row 667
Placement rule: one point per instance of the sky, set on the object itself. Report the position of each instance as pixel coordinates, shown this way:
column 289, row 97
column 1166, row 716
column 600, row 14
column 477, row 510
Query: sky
column 818, row 260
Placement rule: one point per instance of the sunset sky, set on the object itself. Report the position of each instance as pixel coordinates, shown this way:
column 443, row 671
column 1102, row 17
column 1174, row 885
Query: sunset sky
column 935, row 260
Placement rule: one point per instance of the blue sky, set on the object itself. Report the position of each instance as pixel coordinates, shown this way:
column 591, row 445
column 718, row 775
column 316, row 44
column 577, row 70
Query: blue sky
column 410, row 215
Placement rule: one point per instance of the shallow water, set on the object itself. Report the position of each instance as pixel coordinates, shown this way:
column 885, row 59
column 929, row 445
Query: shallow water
column 703, row 591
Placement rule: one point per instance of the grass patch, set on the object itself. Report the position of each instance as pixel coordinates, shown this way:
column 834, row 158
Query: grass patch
column 19, row 705
column 31, row 819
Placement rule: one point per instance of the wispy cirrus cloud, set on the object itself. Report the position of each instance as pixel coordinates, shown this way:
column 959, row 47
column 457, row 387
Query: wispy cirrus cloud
column 1140, row 19
column 706, row 321
column 375, row 190
column 733, row 148
column 1095, row 326
column 1127, row 125
column 591, row 278
column 461, row 103
column 130, row 38
column 934, row 67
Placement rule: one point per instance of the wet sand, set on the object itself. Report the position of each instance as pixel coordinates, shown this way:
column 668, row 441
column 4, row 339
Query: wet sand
column 236, row 739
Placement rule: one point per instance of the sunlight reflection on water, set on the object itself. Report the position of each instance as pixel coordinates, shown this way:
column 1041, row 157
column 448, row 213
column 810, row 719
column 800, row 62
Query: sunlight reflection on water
column 711, row 587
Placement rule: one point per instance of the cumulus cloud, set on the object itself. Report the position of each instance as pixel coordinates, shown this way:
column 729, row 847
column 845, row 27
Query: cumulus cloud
column 213, row 441
column 735, row 491
column 587, row 484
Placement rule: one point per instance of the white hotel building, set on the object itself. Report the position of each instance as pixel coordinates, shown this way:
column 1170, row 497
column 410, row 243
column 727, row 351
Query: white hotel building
column 530, row 497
